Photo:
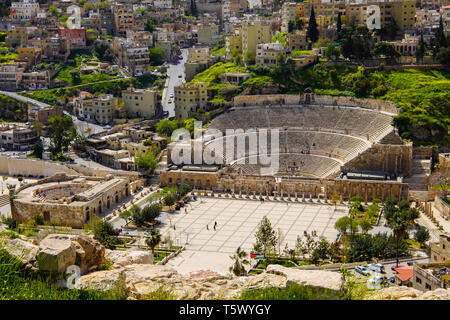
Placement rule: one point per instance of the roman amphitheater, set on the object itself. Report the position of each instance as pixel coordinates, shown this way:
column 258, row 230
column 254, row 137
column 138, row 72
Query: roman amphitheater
column 327, row 145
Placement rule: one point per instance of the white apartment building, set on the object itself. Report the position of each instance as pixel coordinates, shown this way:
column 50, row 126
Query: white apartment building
column 267, row 53
column 24, row 10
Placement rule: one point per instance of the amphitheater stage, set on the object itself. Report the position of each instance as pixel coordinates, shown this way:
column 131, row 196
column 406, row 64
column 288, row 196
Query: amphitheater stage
column 237, row 222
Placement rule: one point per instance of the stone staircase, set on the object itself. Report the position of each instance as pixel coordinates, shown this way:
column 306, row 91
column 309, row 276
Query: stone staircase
column 421, row 170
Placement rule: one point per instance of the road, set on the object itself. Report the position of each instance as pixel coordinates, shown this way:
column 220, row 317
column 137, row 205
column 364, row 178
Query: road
column 173, row 71
column 80, row 125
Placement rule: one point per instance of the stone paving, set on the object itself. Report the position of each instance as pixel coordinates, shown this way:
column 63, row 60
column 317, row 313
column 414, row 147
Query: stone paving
column 237, row 222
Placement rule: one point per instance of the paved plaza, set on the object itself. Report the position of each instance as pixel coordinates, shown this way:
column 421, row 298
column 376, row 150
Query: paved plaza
column 237, row 221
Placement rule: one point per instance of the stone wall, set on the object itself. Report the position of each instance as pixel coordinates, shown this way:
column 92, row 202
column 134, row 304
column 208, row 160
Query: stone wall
column 72, row 214
column 394, row 159
column 422, row 152
column 32, row 167
column 379, row 105
column 441, row 206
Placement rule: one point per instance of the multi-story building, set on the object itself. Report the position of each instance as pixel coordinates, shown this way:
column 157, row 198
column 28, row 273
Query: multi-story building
column 123, row 19
column 189, row 97
column 42, row 114
column 296, row 41
column 406, row 47
column 288, row 15
column 31, row 54
column 433, row 4
column 440, row 251
column 100, row 109
column 208, row 34
column 36, row 80
column 403, row 12
column 56, row 49
column 13, row 137
column 431, row 276
column 133, row 57
column 16, row 36
column 24, row 10
column 162, row 4
column 233, row 43
column 267, row 53
column 254, row 34
column 10, row 77
column 77, row 37
column 140, row 103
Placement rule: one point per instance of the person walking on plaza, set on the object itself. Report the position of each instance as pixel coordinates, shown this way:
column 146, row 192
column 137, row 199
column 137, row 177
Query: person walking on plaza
column 207, row 228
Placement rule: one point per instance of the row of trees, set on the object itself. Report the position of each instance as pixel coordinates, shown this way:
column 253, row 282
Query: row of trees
column 141, row 216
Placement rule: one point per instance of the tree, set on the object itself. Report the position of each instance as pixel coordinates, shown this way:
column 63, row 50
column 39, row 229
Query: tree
column 300, row 247
column 169, row 200
column 62, row 133
column 338, row 24
column 150, row 213
column 104, row 232
column 153, row 238
column 150, row 25
column 239, row 260
column 443, row 56
column 421, row 48
column 312, row 33
column 237, row 57
column 331, row 52
column 126, row 215
column 266, row 237
column 103, row 52
column 386, row 49
column 37, row 126
column 365, row 225
column 342, row 224
column 156, row 56
column 38, row 149
column 323, row 249
column 146, row 161
column 53, row 11
column 440, row 35
column 422, row 235
column 335, row 198
column 249, row 58
column 194, row 11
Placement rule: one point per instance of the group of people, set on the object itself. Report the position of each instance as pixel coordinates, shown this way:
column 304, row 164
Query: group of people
column 215, row 225
column 313, row 233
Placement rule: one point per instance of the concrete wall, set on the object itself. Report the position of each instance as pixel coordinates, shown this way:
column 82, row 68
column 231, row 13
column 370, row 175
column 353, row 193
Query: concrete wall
column 441, row 206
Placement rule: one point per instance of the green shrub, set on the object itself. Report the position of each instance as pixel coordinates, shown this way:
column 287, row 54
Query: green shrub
column 292, row 291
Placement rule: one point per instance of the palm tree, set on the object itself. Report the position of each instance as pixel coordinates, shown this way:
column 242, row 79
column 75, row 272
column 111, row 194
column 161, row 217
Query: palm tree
column 238, row 267
column 153, row 238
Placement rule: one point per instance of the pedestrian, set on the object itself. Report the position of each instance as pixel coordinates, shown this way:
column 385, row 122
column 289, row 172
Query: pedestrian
column 185, row 210
column 207, row 228
column 174, row 227
column 214, row 227
column 215, row 224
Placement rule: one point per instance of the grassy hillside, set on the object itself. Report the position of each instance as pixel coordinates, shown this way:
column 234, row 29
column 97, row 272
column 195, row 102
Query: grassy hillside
column 18, row 284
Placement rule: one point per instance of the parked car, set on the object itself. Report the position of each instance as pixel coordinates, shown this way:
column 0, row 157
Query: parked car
column 363, row 270
column 410, row 263
column 169, row 101
column 377, row 267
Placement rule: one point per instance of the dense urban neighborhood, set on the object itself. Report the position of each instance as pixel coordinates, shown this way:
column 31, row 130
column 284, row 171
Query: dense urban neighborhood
column 224, row 150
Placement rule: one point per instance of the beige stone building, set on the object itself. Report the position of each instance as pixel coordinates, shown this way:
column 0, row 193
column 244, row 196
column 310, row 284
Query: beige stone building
column 440, row 251
column 267, row 54
column 254, row 34
column 140, row 103
column 100, row 109
column 296, row 41
column 123, row 19
column 189, row 97
column 69, row 200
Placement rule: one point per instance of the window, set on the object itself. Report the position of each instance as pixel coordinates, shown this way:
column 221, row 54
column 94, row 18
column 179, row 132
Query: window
column 418, row 280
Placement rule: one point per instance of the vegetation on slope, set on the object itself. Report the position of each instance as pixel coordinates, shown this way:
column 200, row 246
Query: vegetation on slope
column 18, row 284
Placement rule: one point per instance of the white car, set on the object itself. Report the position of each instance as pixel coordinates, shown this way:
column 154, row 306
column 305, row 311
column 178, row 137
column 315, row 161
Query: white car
column 377, row 267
